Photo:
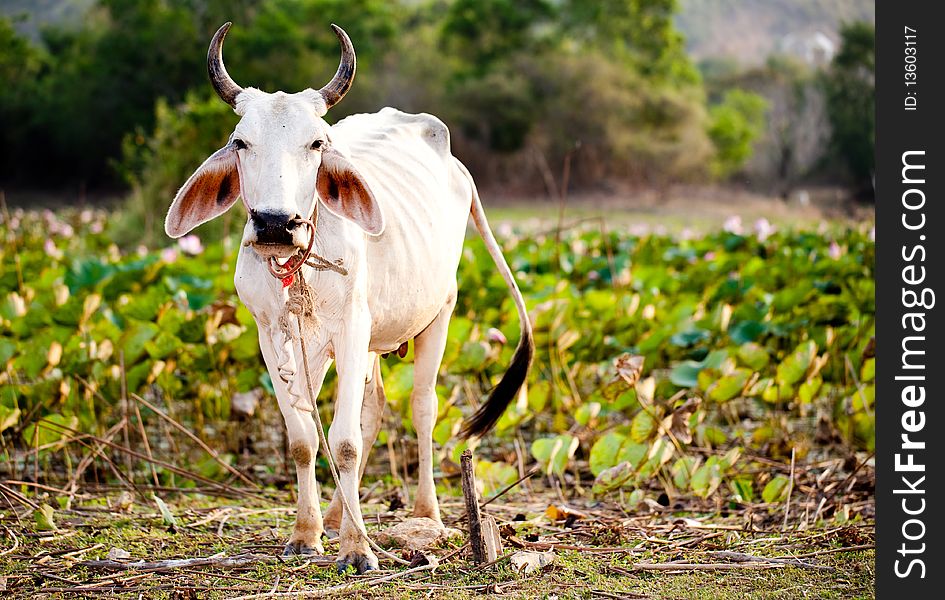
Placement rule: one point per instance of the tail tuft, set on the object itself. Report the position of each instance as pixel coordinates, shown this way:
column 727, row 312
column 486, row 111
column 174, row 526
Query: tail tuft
column 484, row 419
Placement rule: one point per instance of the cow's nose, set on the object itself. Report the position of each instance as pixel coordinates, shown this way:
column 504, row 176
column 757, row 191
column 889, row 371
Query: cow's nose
column 274, row 227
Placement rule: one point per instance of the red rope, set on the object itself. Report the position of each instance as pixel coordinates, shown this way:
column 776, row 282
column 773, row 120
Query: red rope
column 286, row 272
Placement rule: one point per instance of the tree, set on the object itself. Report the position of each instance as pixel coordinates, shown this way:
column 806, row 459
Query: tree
column 20, row 64
column 849, row 86
column 640, row 33
column 97, row 82
column 484, row 32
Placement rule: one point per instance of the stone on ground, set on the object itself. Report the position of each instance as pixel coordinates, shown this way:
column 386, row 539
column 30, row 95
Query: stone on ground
column 416, row 533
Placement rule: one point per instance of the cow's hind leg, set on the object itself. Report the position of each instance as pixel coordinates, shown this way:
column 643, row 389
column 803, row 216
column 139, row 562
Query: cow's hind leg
column 428, row 353
column 372, row 415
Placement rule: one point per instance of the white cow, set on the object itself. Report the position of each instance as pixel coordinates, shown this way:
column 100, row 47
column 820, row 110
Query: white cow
column 393, row 209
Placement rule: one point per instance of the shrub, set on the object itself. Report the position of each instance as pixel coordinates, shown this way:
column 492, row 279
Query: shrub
column 157, row 165
column 734, row 125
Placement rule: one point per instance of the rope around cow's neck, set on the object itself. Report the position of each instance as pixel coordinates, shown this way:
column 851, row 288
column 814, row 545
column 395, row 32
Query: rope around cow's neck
column 286, row 272
column 296, row 307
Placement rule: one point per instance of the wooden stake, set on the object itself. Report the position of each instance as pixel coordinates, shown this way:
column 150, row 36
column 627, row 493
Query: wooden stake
column 477, row 540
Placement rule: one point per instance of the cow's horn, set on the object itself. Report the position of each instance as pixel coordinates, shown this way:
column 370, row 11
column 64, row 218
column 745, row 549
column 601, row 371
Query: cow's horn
column 344, row 76
column 226, row 88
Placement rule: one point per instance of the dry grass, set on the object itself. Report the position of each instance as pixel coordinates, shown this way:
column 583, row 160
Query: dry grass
column 601, row 551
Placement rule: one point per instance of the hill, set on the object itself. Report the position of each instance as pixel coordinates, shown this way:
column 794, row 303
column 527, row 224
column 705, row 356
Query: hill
column 747, row 31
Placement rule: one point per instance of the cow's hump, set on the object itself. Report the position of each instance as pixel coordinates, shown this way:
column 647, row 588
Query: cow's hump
column 390, row 125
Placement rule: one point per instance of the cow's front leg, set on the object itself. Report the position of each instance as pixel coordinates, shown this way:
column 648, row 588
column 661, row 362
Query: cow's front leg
column 372, row 415
column 303, row 447
column 344, row 439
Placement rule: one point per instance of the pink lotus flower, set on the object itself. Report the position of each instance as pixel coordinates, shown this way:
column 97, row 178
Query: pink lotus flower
column 51, row 249
column 494, row 335
column 763, row 229
column 60, row 228
column 190, row 244
column 733, row 224
column 834, row 251
column 169, row 255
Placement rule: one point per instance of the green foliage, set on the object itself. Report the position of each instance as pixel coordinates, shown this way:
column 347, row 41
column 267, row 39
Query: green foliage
column 640, row 32
column 166, row 515
column 769, row 326
column 734, row 124
column 44, row 518
column 555, row 453
column 606, row 86
column 20, row 64
column 157, row 165
column 484, row 32
column 850, row 86
column 170, row 320
column 776, row 489
column 101, row 81
column 523, row 85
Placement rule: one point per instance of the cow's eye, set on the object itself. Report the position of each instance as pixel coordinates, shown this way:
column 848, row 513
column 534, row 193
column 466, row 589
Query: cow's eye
column 239, row 144
column 317, row 144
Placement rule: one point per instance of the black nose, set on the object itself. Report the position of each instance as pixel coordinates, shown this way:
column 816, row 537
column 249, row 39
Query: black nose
column 274, row 227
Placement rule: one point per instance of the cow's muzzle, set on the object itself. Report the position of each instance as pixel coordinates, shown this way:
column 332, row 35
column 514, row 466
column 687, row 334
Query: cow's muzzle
column 277, row 234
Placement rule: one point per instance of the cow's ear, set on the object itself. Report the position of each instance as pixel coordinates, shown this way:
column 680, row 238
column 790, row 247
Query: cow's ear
column 210, row 191
column 344, row 192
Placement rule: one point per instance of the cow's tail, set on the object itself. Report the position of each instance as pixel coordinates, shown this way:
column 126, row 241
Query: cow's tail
column 489, row 412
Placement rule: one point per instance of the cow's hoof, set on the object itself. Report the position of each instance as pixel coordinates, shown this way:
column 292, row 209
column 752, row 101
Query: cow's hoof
column 299, row 548
column 331, row 534
column 362, row 563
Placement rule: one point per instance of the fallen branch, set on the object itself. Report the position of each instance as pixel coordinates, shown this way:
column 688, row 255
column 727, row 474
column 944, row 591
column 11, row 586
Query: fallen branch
column 707, row 566
column 621, row 596
column 227, row 562
column 18, row 497
column 519, row 542
column 339, row 589
column 741, row 557
column 834, row 551
column 16, row 543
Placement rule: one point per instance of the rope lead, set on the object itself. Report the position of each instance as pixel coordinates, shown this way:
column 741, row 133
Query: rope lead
column 301, row 303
